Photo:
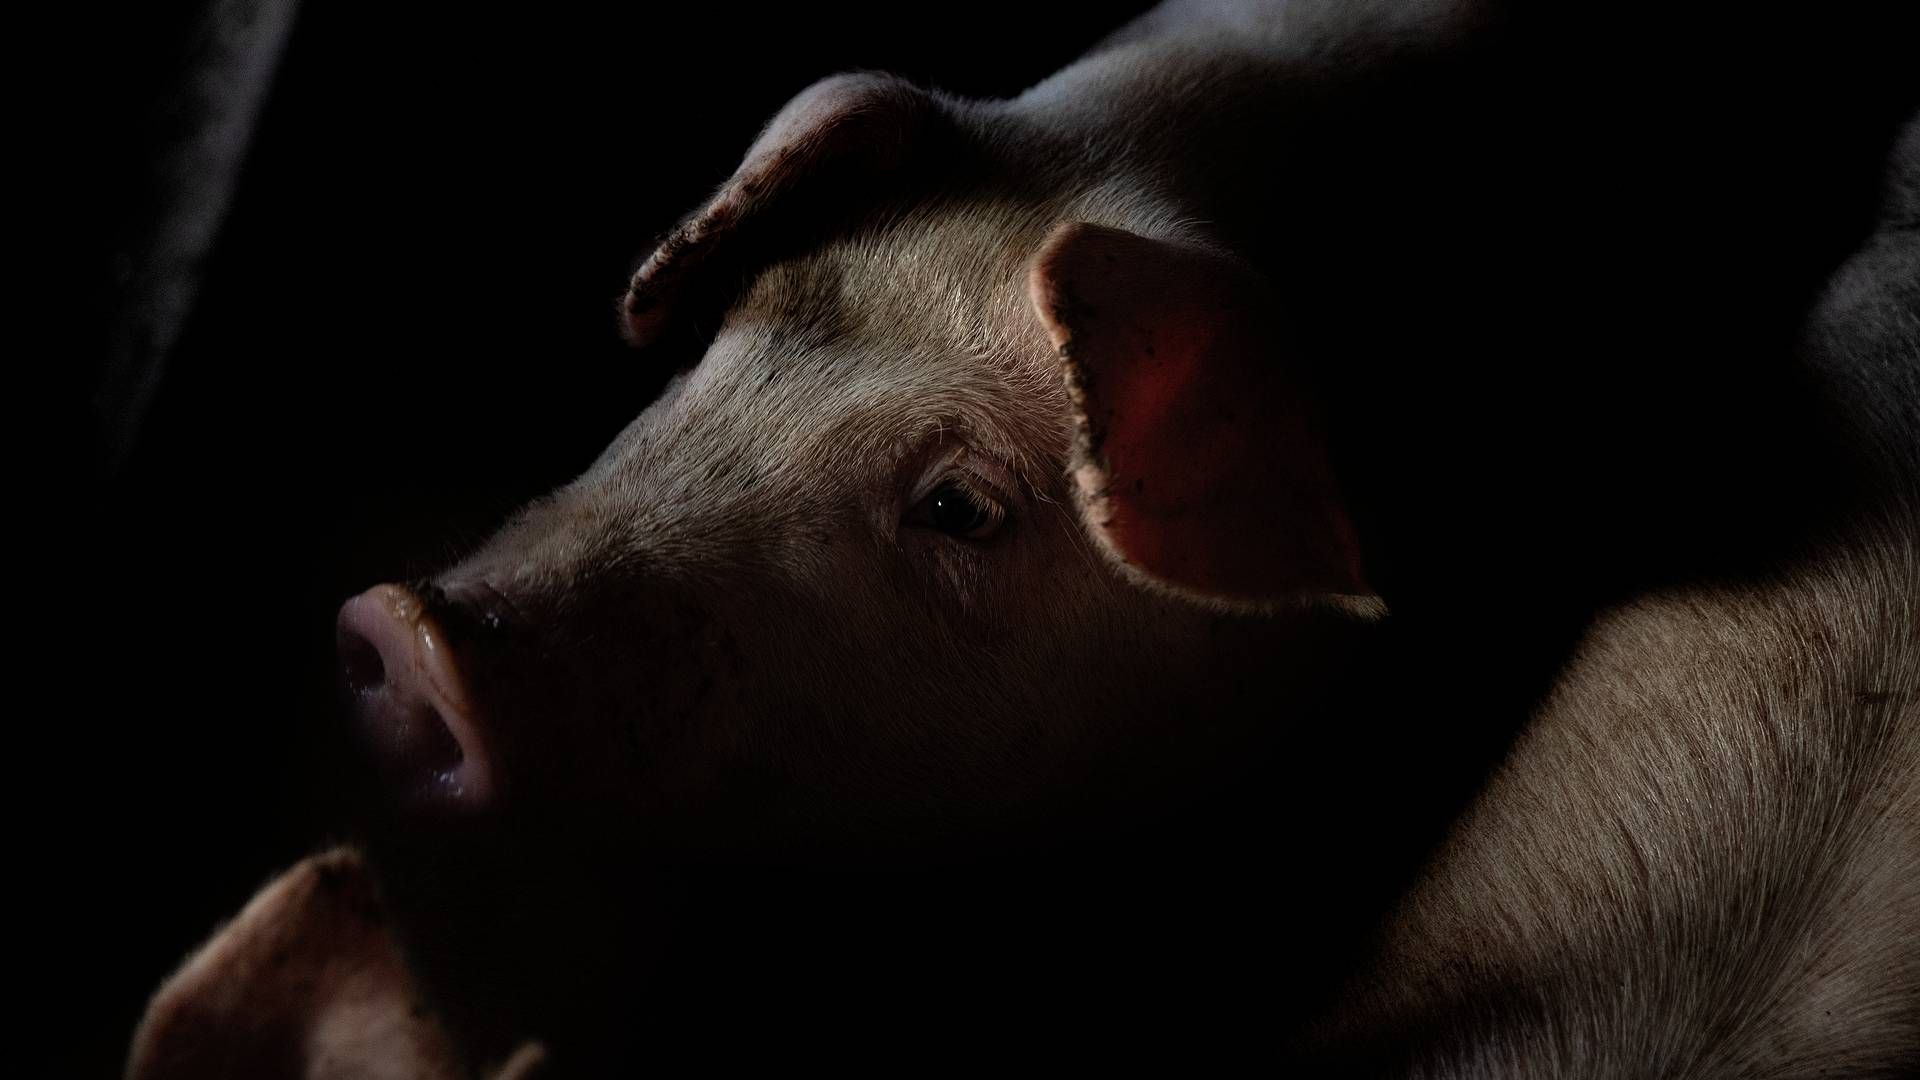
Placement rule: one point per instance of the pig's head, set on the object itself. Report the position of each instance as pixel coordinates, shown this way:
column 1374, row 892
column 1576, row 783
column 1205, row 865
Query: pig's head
column 961, row 524
column 851, row 565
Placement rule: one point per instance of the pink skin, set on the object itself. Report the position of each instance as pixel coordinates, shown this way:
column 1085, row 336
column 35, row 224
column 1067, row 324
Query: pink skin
column 414, row 713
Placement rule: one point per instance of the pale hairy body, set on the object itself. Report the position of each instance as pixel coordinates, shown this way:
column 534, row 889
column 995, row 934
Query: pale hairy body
column 1701, row 857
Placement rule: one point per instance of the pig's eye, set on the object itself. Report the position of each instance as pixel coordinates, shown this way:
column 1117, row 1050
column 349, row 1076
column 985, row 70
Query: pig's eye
column 958, row 510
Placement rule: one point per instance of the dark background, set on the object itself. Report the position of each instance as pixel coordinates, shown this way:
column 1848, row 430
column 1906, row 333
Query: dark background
column 404, row 329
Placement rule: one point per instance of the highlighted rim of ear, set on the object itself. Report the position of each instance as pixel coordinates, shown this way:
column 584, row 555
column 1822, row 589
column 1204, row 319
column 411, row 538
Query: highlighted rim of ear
column 829, row 150
column 1198, row 451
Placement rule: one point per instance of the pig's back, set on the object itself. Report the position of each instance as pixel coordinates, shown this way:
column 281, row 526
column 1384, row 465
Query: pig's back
column 1702, row 855
column 1701, row 859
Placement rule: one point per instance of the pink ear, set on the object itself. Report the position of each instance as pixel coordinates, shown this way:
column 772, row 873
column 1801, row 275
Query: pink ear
column 1199, row 459
column 308, row 973
column 843, row 135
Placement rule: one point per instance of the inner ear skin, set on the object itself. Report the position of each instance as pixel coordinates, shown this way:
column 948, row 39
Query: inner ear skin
column 1198, row 453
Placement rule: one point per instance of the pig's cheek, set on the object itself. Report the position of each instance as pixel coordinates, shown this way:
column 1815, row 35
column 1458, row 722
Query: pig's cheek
column 966, row 572
column 666, row 717
column 948, row 578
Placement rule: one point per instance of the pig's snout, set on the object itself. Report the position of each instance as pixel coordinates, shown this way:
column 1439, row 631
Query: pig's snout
column 412, row 710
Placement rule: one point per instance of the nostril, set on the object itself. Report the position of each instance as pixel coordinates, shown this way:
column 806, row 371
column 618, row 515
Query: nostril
column 361, row 669
column 413, row 747
column 410, row 708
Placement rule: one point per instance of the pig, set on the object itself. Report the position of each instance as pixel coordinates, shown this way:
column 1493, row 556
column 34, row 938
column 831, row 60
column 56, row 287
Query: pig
column 1338, row 495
